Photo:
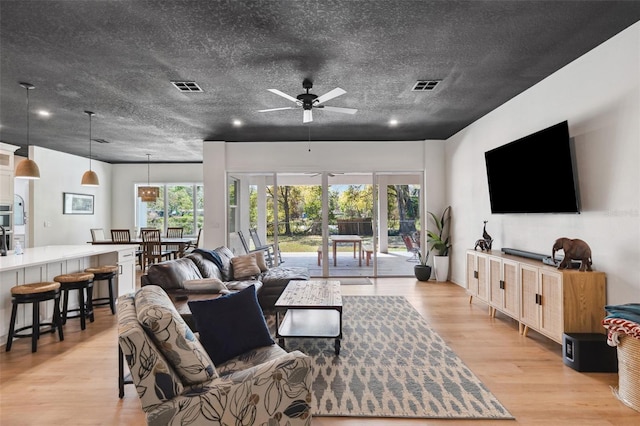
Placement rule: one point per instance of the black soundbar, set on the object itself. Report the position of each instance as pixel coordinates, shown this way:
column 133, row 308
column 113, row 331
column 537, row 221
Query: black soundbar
column 522, row 253
column 545, row 258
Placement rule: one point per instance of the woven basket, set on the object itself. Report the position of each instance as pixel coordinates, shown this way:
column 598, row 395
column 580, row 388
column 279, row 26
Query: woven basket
column 629, row 371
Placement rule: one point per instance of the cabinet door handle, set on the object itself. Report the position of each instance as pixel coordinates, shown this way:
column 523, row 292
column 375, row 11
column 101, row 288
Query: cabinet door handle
column 502, row 284
column 475, row 274
column 120, row 266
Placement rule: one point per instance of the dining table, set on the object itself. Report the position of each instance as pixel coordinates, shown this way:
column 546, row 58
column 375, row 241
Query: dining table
column 356, row 240
column 182, row 243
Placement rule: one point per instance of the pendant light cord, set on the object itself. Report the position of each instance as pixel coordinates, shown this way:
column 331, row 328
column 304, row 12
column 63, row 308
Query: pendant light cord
column 90, row 142
column 148, row 170
column 27, row 115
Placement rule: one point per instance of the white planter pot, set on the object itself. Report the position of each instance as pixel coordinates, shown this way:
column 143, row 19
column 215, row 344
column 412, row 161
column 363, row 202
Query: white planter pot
column 441, row 266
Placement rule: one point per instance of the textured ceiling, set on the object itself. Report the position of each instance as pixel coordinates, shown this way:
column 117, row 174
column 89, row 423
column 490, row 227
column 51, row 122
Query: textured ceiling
column 118, row 58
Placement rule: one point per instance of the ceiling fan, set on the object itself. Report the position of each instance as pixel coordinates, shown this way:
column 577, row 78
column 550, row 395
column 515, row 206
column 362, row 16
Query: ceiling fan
column 308, row 101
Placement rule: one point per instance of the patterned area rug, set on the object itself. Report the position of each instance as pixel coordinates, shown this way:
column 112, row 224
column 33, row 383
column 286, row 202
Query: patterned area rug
column 392, row 364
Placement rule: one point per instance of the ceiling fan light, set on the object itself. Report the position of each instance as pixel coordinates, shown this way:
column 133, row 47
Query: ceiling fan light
column 90, row 178
column 27, row 169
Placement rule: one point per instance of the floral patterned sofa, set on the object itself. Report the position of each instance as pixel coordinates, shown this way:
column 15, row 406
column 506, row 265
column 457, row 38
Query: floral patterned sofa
column 178, row 383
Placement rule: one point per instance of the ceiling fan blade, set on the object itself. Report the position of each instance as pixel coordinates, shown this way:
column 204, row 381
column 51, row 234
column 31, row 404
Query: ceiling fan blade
column 330, row 95
column 275, row 109
column 284, row 95
column 307, row 117
column 339, row 109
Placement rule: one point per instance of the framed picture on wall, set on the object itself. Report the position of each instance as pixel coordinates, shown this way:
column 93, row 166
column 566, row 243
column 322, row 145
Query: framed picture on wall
column 77, row 203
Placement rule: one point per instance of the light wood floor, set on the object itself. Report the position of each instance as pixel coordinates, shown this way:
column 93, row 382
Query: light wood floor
column 75, row 382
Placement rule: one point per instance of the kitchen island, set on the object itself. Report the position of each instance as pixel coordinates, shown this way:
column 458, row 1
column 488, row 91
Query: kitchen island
column 40, row 264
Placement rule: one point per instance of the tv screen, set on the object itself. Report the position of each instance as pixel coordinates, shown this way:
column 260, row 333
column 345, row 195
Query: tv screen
column 534, row 174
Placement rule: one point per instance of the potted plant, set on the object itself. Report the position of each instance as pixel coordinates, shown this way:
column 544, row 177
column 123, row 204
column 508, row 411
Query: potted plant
column 422, row 271
column 439, row 241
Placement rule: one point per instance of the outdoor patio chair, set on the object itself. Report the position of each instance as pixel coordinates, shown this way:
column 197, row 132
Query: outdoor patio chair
column 267, row 253
column 275, row 251
column 411, row 248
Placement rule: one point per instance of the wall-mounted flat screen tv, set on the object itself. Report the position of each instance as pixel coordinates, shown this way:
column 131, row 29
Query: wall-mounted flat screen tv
column 534, row 174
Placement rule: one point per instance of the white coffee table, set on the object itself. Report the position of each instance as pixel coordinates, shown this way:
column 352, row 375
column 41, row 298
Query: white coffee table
column 310, row 309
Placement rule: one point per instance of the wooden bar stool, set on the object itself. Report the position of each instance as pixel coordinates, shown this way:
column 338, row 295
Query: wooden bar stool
column 104, row 273
column 35, row 293
column 80, row 281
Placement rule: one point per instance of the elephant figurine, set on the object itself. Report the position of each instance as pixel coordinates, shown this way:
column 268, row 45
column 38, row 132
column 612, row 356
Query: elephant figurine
column 573, row 250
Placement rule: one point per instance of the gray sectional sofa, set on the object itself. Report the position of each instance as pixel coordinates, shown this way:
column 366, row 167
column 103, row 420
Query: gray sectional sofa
column 202, row 270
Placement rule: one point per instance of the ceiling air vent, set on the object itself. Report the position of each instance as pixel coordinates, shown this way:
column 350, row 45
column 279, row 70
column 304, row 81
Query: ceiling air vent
column 425, row 85
column 187, row 86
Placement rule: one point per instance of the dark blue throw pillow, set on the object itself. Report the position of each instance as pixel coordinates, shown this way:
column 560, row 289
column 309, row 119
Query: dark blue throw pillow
column 231, row 325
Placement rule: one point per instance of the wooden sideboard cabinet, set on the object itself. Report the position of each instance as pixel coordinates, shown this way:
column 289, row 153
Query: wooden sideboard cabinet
column 477, row 276
column 540, row 297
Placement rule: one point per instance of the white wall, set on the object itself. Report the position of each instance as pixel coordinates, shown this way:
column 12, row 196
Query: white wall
column 59, row 173
column 348, row 156
column 599, row 95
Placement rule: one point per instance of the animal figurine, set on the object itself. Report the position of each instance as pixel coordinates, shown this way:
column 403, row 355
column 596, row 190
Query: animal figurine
column 573, row 250
column 485, row 242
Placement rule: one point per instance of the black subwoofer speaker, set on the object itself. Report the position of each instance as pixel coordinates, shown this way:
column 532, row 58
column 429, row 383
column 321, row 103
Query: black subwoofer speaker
column 589, row 352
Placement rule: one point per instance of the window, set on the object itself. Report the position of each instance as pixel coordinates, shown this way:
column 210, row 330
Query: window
column 178, row 205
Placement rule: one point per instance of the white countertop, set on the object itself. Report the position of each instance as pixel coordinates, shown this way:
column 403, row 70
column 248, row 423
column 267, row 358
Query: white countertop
column 48, row 254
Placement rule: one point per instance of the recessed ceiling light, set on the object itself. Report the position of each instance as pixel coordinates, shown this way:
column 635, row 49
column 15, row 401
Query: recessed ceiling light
column 186, row 86
column 393, row 122
column 43, row 113
column 237, row 123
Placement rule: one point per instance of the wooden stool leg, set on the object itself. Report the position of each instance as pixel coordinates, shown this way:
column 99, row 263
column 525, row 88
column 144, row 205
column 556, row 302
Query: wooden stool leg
column 81, row 301
column 89, row 306
column 12, row 326
column 35, row 331
column 112, row 304
column 57, row 319
column 65, row 305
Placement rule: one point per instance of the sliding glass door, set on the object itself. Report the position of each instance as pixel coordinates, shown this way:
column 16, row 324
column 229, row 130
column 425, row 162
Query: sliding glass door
column 335, row 224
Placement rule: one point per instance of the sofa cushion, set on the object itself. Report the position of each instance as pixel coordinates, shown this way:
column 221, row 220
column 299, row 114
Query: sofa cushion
column 156, row 381
column 173, row 337
column 259, row 255
column 231, row 325
column 171, row 274
column 225, row 257
column 205, row 285
column 207, row 268
column 244, row 267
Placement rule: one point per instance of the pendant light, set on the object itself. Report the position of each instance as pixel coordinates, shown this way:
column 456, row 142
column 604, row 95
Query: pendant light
column 27, row 169
column 90, row 178
column 148, row 193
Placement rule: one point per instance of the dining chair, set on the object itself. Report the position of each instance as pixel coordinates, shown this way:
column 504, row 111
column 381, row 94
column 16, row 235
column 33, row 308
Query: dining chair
column 124, row 236
column 97, row 234
column 193, row 245
column 152, row 246
column 174, row 232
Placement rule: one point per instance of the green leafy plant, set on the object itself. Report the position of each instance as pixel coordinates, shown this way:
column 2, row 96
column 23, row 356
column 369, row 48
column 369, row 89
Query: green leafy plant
column 439, row 239
column 423, row 257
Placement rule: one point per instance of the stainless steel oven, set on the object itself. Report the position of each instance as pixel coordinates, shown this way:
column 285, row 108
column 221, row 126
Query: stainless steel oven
column 6, row 216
